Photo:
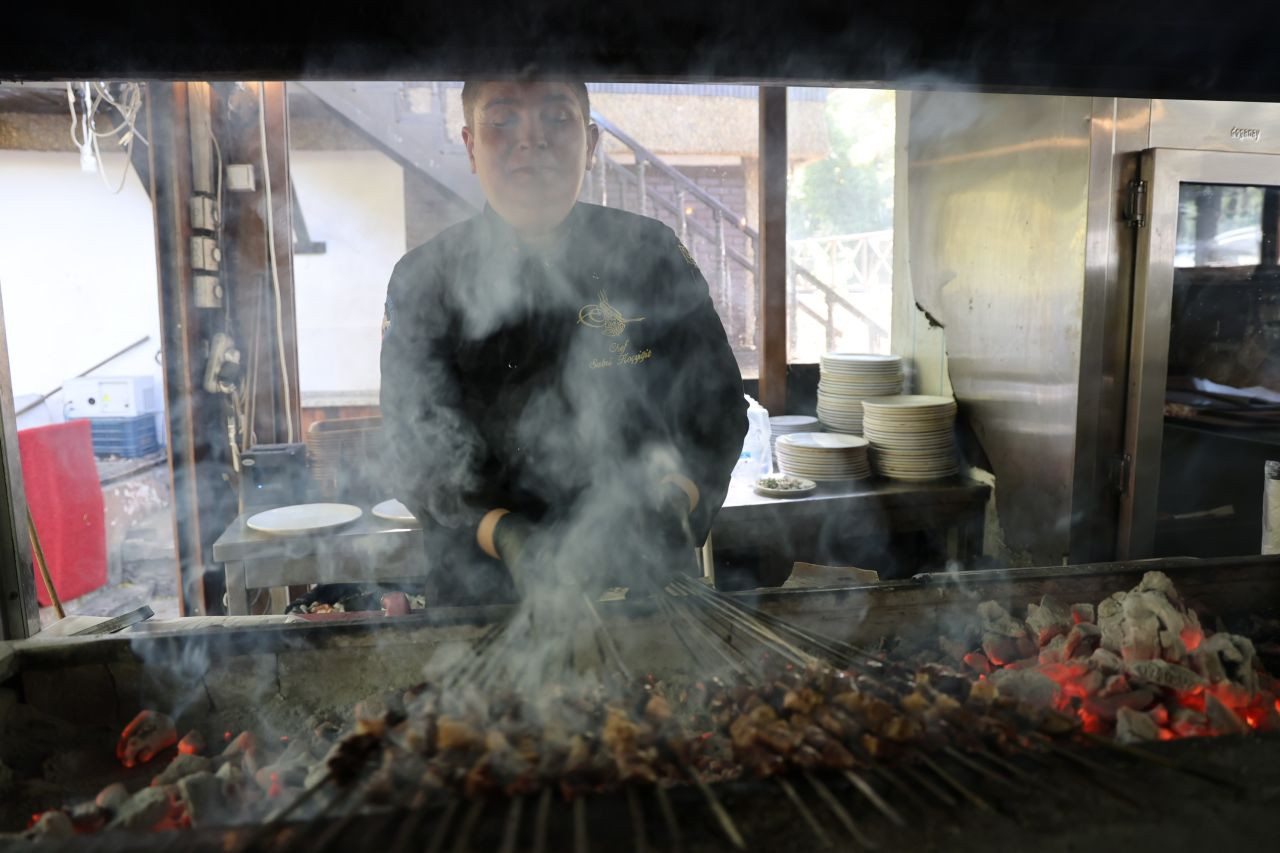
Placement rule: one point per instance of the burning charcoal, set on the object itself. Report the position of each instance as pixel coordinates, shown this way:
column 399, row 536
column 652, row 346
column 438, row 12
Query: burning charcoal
column 192, row 743
column 1160, row 714
column 1222, row 720
column 51, row 824
column 112, row 797
column 148, row 734
column 1107, row 661
column 978, row 662
column 953, row 648
column 1171, row 646
column 1165, row 674
column 202, row 796
column 1082, row 640
column 1107, row 707
column 1055, row 651
column 180, row 767
column 143, row 810
column 1048, row 619
column 1082, row 614
column 88, row 817
column 1157, row 582
column 240, row 744
column 996, row 620
column 1135, row 727
column 1141, row 630
column 1187, row 722
column 999, row 649
column 1236, row 655
column 1028, row 686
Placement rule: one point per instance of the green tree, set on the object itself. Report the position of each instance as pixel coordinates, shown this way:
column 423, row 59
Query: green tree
column 851, row 189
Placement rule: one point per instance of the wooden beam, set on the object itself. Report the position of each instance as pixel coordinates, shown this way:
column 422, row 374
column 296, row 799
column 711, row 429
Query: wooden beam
column 199, row 450
column 246, row 253
column 19, row 614
column 773, row 248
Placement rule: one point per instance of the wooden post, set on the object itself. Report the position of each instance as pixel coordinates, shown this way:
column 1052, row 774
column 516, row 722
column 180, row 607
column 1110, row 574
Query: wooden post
column 198, row 452
column 772, row 284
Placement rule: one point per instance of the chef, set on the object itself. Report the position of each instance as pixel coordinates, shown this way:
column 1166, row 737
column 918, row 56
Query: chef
column 559, row 397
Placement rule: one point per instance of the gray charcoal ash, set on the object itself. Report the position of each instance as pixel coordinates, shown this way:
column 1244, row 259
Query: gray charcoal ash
column 1223, row 720
column 996, row 620
column 112, row 797
column 1157, row 582
column 1083, row 614
column 1048, row 619
column 1187, row 722
column 1111, row 622
column 999, row 648
column 182, row 766
column 1055, row 651
column 1109, row 706
column 52, row 824
column 1141, row 630
column 143, row 810
column 1082, row 640
column 203, row 796
column 1165, row 674
column 1171, row 646
column 1135, row 727
column 1114, row 685
column 1029, row 686
column 1107, row 661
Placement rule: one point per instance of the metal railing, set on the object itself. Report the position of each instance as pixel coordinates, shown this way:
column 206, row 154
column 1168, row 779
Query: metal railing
column 733, row 272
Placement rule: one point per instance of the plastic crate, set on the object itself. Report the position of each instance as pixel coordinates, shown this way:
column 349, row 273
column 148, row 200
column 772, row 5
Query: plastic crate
column 127, row 437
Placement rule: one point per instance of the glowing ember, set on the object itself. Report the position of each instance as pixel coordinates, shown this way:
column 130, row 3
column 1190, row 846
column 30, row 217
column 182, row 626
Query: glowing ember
column 146, row 736
column 1146, row 670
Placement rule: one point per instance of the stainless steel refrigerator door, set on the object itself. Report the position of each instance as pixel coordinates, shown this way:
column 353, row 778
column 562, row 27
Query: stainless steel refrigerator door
column 1167, row 174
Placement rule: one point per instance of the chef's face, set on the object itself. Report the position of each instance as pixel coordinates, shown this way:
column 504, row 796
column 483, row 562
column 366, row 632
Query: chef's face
column 530, row 146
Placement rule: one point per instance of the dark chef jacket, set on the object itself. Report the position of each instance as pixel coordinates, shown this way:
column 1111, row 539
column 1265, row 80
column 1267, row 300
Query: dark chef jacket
column 555, row 384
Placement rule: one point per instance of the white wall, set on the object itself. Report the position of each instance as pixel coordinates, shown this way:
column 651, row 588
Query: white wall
column 77, row 273
column 353, row 201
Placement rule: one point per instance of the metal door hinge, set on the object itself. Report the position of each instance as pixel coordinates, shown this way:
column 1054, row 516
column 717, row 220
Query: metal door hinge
column 1120, row 465
column 1135, row 204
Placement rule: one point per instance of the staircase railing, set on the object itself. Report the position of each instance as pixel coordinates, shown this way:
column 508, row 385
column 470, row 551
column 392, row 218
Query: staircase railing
column 736, row 305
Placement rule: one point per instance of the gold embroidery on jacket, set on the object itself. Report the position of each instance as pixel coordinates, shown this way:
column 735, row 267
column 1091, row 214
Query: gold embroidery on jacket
column 605, row 317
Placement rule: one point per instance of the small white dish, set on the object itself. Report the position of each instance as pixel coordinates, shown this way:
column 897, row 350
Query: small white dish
column 303, row 518
column 393, row 510
column 802, row 486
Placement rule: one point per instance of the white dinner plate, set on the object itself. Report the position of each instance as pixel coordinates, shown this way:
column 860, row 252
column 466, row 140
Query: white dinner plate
column 393, row 510
column 820, row 441
column 303, row 518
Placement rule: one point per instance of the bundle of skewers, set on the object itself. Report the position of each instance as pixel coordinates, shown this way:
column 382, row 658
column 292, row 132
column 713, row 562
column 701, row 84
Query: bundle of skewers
column 789, row 708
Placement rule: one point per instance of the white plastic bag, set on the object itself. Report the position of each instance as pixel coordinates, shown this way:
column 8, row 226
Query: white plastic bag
column 756, row 458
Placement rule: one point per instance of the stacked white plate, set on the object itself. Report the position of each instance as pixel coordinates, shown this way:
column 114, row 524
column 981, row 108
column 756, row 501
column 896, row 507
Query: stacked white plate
column 788, row 424
column 912, row 436
column 823, row 456
column 849, row 378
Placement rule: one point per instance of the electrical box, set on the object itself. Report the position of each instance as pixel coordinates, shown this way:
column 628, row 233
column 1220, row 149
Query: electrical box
column 205, row 254
column 110, row 397
column 240, row 178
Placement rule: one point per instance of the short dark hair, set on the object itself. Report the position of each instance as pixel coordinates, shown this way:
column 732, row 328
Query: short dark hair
column 471, row 91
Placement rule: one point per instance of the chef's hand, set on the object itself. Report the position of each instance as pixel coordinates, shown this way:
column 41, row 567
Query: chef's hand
column 664, row 543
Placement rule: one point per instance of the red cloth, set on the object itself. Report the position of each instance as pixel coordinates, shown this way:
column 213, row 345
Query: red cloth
column 65, row 497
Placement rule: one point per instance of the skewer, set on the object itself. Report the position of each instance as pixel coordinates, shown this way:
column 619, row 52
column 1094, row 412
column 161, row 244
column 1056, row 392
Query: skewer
column 409, row 827
column 1097, row 780
column 862, row 786
column 675, row 842
column 511, row 830
column 755, row 626
column 442, row 828
column 334, row 831
column 903, row 788
column 717, row 808
column 824, row 840
column 1164, row 761
column 985, row 772
column 580, row 841
column 841, row 813
column 541, row 820
column 637, row 819
column 928, row 785
column 469, row 821
column 606, row 638
column 953, row 783
column 1008, row 767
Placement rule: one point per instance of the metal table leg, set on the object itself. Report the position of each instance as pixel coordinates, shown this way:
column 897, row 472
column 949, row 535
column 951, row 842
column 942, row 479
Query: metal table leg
column 237, row 591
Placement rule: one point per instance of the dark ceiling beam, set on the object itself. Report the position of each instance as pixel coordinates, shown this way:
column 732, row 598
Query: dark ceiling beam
column 1177, row 48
